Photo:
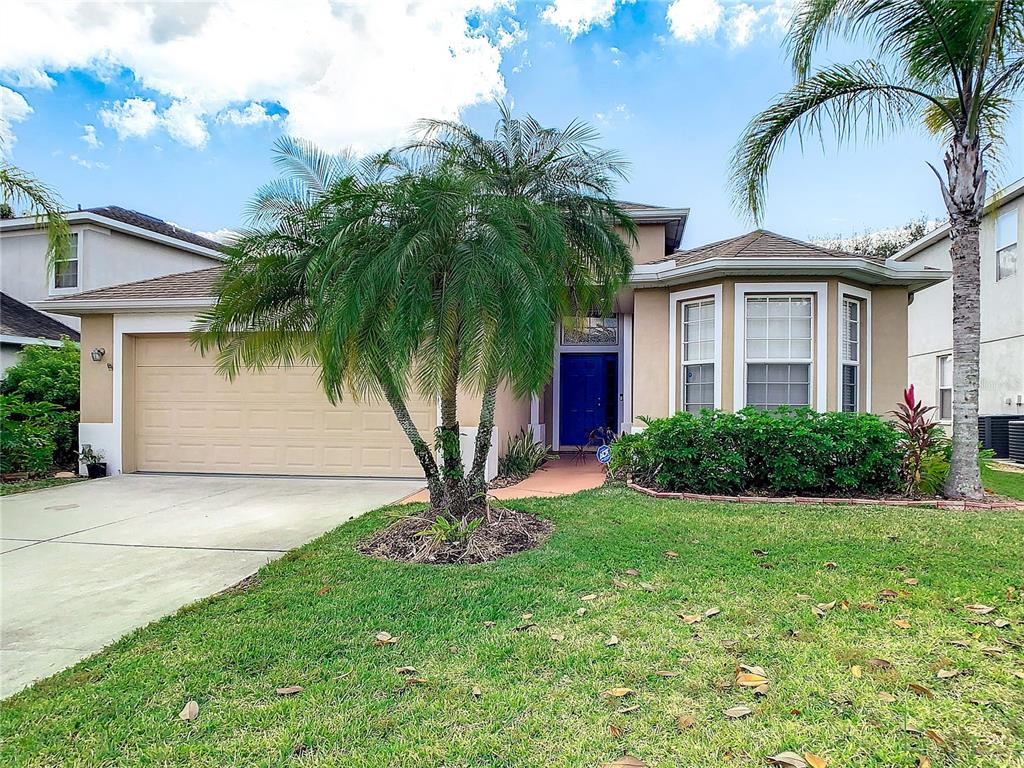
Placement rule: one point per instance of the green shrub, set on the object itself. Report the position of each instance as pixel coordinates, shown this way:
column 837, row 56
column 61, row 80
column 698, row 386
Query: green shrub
column 26, row 435
column 523, row 455
column 46, row 375
column 780, row 452
column 49, row 375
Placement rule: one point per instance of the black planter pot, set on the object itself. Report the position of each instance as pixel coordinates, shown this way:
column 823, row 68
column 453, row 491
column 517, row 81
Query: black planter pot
column 96, row 470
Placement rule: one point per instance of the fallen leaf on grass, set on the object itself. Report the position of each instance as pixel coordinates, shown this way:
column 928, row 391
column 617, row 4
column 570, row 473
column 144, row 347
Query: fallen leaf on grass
column 921, row 690
column 190, row 712
column 749, row 680
column 935, row 736
column 945, row 674
column 631, row 572
column 589, row 597
column 761, row 690
column 685, row 721
column 626, row 761
column 887, row 697
column 690, row 618
column 620, row 584
column 815, row 761
column 1001, row 623
column 666, row 673
column 405, row 670
column 856, row 671
column 802, row 596
column 830, row 565
column 879, row 663
column 646, row 587
column 612, row 640
column 581, row 611
column 867, row 606
column 759, row 553
column 787, row 760
column 615, row 731
column 627, row 710
column 924, row 762
column 477, row 693
column 415, row 681
column 979, row 609
column 385, row 638
column 289, row 690
column 901, row 623
column 490, row 623
column 1019, row 673
column 911, row 582
column 323, row 590
column 618, row 693
column 557, row 637
column 524, row 627
column 740, row 710
column 888, row 594
column 670, row 553
column 712, row 612
column 527, row 616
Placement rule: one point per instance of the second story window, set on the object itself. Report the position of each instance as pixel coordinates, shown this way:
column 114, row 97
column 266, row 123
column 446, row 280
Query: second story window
column 65, row 272
column 1006, row 245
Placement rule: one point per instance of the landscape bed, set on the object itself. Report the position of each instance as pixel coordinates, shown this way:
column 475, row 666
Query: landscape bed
column 871, row 625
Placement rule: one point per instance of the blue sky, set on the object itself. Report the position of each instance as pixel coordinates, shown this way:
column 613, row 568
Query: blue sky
column 184, row 105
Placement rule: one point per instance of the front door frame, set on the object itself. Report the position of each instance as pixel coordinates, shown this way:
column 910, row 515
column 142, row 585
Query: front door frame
column 623, row 349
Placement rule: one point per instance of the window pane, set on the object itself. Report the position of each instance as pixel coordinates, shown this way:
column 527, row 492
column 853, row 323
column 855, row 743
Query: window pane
column 850, row 388
column 801, row 349
column 775, row 384
column 757, row 328
column 757, row 307
column 698, row 387
column 1006, row 230
column 945, row 404
column 945, row 371
column 757, row 348
column 601, row 331
column 1006, row 262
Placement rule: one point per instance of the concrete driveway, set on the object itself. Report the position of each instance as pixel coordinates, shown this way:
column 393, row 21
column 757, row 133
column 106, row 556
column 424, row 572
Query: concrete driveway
column 83, row 564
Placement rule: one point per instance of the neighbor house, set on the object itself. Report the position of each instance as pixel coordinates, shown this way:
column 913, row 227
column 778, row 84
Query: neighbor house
column 930, row 323
column 759, row 320
column 109, row 245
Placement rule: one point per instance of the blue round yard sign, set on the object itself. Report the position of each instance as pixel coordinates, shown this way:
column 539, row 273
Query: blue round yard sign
column 604, row 454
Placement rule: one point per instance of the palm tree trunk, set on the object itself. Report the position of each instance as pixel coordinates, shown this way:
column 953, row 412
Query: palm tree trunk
column 419, row 446
column 453, row 473
column 965, row 196
column 478, row 473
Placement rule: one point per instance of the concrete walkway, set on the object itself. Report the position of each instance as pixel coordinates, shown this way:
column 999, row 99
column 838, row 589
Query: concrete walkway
column 558, row 477
column 83, row 564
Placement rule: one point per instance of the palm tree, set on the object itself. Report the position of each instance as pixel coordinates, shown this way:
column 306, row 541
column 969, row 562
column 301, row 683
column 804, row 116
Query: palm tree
column 953, row 67
column 20, row 191
column 566, row 171
column 406, row 273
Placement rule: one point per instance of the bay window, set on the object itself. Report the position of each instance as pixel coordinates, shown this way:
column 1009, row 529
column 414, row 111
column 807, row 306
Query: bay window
column 778, row 351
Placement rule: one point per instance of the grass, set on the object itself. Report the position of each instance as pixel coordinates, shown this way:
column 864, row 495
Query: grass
column 1010, row 484
column 310, row 618
column 22, row 486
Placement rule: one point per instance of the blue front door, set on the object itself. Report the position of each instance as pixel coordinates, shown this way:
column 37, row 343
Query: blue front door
column 588, row 395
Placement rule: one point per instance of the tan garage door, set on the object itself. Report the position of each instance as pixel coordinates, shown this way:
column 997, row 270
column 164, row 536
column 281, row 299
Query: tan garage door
column 189, row 418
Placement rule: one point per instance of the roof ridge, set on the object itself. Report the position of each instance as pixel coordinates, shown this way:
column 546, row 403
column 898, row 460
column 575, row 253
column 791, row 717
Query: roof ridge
column 815, row 246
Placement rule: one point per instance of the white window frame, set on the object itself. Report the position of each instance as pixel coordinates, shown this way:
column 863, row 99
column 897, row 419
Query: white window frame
column 819, row 342
column 1015, row 243
column 864, row 393
column 939, row 387
column 696, row 361
column 675, row 348
column 51, row 272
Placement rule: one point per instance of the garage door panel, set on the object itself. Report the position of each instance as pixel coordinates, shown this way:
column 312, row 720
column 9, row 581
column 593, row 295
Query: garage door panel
column 190, row 418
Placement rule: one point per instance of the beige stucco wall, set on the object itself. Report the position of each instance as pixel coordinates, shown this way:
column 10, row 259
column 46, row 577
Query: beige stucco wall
column 511, row 413
column 651, row 340
column 650, row 245
column 97, row 393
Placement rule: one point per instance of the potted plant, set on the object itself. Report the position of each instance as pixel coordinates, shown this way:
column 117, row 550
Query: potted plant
column 94, row 463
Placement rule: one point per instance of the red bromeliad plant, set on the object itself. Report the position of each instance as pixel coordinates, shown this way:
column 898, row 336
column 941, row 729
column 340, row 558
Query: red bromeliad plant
column 921, row 435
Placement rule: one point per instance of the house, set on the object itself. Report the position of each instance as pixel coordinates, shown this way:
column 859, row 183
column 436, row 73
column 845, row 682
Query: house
column 930, row 318
column 757, row 320
column 109, row 245
column 21, row 325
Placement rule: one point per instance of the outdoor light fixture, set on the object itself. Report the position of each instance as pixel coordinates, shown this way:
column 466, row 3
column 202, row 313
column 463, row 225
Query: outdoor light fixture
column 97, row 354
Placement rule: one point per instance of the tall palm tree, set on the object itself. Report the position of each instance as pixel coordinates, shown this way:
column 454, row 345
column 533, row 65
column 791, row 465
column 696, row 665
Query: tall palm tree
column 20, row 191
column 953, row 67
column 403, row 274
column 565, row 170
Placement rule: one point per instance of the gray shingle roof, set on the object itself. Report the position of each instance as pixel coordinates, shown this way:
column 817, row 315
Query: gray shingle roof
column 759, row 244
column 154, row 224
column 18, row 319
column 197, row 284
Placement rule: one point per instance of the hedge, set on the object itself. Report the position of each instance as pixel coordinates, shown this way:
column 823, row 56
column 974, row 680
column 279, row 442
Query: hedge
column 780, row 452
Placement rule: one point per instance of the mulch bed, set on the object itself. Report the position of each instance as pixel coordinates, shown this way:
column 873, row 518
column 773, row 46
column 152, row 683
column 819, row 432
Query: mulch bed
column 508, row 532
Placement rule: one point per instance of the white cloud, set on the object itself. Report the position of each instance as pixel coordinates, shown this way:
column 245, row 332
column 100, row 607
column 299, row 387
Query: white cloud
column 347, row 74
column 253, row 114
column 131, row 118
column 689, row 20
column 13, row 109
column 692, row 20
column 224, row 235
column 619, row 113
column 575, row 17
column 90, row 164
column 90, row 138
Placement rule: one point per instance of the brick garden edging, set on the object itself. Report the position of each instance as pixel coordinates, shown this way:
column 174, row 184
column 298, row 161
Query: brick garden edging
column 932, row 503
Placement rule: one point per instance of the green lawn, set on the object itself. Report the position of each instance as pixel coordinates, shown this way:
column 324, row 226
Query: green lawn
column 1004, row 483
column 8, row 489
column 310, row 620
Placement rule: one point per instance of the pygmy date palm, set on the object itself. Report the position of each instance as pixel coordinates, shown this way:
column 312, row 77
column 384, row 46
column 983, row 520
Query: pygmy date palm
column 953, row 66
